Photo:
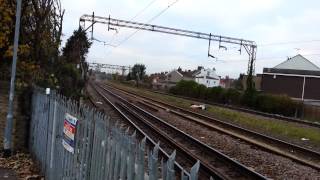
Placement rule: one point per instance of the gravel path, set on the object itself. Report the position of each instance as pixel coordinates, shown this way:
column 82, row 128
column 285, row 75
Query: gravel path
column 271, row 165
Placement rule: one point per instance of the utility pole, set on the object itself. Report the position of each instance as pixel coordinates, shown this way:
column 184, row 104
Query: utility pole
column 8, row 130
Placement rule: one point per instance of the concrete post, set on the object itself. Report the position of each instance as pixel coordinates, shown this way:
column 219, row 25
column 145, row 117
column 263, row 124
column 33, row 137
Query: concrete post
column 8, row 130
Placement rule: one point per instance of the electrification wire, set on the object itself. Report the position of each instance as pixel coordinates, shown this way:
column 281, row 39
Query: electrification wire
column 142, row 10
column 260, row 59
column 113, row 36
column 135, row 16
column 288, row 42
column 150, row 20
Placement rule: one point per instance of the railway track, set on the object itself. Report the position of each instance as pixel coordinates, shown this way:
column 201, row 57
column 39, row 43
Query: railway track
column 294, row 152
column 149, row 141
column 213, row 162
column 251, row 111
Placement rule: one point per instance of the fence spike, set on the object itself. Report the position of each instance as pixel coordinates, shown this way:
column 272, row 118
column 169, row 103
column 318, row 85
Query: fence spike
column 156, row 150
column 194, row 171
column 102, row 149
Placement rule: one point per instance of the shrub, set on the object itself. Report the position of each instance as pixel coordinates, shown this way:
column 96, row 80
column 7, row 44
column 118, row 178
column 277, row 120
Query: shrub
column 186, row 88
column 202, row 91
column 276, row 104
column 215, row 94
column 232, row 96
column 249, row 98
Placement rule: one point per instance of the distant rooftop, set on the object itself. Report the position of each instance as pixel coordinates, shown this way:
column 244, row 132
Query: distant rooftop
column 298, row 62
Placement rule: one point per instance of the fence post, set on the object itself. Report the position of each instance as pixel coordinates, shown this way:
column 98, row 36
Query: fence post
column 140, row 159
column 194, row 171
column 53, row 137
column 102, row 151
column 152, row 162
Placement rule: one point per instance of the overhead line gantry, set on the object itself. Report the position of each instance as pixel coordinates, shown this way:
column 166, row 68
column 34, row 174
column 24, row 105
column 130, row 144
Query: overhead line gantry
column 99, row 66
column 249, row 46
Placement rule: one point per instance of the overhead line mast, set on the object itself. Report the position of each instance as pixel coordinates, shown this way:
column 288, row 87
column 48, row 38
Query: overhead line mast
column 99, row 66
column 249, row 46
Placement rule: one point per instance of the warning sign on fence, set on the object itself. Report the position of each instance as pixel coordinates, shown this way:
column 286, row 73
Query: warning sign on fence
column 69, row 130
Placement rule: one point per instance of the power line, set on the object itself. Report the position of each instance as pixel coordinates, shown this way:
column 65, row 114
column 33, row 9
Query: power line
column 113, row 36
column 137, row 14
column 142, row 10
column 150, row 20
column 288, row 42
column 261, row 59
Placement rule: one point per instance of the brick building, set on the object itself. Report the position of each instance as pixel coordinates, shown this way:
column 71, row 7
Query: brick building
column 296, row 77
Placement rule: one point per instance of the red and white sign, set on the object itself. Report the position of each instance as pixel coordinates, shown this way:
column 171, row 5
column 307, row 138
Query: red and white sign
column 69, row 131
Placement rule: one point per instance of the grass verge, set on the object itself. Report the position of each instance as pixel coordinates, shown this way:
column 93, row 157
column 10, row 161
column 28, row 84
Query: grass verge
column 277, row 128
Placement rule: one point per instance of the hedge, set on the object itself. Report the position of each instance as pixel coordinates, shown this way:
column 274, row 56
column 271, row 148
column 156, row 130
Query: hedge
column 276, row 104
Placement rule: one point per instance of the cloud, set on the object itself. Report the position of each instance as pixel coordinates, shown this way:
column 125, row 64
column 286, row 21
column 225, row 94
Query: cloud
column 265, row 21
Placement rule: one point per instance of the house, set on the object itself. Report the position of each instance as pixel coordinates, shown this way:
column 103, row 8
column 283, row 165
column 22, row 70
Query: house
column 157, row 80
column 176, row 75
column 296, row 77
column 227, row 82
column 207, row 77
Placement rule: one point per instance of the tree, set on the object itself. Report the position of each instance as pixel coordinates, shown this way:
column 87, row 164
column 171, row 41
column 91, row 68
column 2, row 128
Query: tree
column 40, row 39
column 138, row 71
column 73, row 66
column 76, row 49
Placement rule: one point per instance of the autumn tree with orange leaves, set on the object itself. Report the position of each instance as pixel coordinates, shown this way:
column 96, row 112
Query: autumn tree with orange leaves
column 40, row 39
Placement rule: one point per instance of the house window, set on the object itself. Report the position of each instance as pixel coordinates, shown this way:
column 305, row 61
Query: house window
column 208, row 73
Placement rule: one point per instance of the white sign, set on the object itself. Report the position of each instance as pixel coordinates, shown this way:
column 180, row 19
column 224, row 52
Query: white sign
column 69, row 130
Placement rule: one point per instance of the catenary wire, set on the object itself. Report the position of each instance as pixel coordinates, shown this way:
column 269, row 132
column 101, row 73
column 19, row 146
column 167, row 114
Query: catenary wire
column 150, row 20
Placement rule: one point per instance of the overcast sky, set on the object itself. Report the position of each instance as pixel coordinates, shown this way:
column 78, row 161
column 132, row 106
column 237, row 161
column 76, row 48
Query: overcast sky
column 281, row 28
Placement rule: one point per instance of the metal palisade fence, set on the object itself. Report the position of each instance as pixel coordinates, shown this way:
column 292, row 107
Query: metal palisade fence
column 72, row 142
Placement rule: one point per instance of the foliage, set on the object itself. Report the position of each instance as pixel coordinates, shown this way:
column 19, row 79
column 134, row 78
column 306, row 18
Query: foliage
column 259, row 123
column 277, row 104
column 6, row 23
column 232, row 96
column 39, row 59
column 186, row 88
column 77, row 46
column 137, row 73
column 238, row 82
column 71, row 77
column 71, row 81
column 215, row 94
column 40, row 38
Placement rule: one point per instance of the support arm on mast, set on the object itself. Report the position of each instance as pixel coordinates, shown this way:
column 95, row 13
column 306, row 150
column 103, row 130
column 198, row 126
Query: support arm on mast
column 250, row 46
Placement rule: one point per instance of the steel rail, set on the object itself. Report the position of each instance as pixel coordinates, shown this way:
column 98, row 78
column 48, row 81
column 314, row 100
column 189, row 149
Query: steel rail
column 245, row 171
column 140, row 131
column 312, row 162
column 251, row 111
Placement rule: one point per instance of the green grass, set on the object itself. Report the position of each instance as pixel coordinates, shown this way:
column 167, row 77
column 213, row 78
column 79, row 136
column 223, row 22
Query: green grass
column 276, row 128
